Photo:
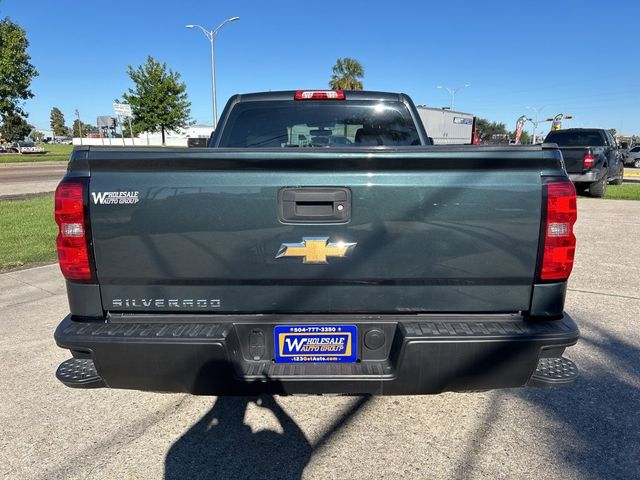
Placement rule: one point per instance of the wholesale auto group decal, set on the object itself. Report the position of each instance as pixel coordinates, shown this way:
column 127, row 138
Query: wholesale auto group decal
column 114, row 198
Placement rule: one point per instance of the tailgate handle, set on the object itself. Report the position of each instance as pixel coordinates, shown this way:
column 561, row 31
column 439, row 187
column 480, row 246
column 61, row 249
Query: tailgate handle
column 314, row 205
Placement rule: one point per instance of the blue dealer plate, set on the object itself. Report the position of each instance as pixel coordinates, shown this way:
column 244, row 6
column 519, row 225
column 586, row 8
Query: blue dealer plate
column 315, row 343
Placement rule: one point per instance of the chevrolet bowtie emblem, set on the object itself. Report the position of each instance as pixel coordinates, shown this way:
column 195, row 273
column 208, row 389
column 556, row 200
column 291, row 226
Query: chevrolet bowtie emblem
column 315, row 249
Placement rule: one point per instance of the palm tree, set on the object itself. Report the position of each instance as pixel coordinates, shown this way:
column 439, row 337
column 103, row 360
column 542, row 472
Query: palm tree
column 347, row 75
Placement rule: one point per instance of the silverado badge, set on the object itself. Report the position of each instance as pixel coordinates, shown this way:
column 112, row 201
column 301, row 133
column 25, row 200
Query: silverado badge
column 315, row 249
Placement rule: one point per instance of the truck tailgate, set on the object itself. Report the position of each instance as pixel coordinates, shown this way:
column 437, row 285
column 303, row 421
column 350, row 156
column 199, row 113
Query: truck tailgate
column 573, row 158
column 438, row 229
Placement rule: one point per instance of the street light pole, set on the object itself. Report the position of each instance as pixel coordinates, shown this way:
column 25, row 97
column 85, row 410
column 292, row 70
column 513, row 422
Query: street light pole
column 211, row 35
column 213, row 86
column 535, row 124
column 453, row 91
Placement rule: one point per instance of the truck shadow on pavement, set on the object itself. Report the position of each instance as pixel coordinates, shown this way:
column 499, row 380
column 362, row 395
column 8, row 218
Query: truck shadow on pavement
column 599, row 418
column 220, row 445
column 591, row 427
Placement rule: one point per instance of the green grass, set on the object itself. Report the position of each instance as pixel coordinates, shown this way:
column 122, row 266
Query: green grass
column 53, row 152
column 27, row 232
column 626, row 191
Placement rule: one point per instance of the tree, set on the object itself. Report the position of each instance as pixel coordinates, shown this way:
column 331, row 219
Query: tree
column 486, row 130
column 158, row 99
column 79, row 128
column 14, row 127
column 524, row 137
column 56, row 120
column 347, row 75
column 16, row 72
column 36, row 136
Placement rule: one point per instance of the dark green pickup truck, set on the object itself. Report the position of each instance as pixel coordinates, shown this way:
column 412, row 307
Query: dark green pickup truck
column 320, row 244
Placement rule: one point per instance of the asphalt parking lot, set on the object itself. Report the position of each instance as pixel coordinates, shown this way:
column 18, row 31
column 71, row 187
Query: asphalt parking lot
column 590, row 429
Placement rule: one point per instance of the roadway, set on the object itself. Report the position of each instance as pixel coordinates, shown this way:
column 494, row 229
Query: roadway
column 19, row 180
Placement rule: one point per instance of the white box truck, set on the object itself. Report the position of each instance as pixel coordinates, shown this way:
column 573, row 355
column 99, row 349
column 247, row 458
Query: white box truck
column 447, row 127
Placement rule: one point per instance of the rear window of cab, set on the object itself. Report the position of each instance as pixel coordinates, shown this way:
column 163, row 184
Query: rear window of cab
column 340, row 124
column 575, row 139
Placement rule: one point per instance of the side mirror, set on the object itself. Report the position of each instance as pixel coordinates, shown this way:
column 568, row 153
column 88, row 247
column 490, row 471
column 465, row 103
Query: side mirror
column 431, row 140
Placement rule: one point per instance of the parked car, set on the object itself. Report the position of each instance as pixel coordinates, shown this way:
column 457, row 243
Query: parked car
column 26, row 147
column 591, row 157
column 633, row 158
column 623, row 147
column 281, row 261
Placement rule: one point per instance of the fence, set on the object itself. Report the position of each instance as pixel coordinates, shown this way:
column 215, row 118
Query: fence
column 137, row 142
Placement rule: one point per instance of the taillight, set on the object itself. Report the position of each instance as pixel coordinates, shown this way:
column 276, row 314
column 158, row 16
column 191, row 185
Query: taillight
column 73, row 238
column 319, row 95
column 559, row 241
column 588, row 160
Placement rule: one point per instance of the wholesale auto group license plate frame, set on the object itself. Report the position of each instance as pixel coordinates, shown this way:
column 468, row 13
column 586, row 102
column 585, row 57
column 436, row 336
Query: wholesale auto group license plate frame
column 315, row 343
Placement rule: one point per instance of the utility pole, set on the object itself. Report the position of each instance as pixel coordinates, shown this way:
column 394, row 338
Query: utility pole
column 79, row 125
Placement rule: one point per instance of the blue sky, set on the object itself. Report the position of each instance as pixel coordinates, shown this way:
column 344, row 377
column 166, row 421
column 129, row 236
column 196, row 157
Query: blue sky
column 577, row 57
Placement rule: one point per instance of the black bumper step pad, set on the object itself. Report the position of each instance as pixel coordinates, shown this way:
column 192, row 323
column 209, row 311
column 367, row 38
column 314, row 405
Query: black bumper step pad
column 79, row 373
column 554, row 371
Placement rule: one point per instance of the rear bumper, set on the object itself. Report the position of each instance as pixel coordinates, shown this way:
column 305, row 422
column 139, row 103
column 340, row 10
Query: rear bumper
column 232, row 355
column 587, row 177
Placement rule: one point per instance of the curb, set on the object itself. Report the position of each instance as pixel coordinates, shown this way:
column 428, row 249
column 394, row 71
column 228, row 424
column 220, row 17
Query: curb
column 25, row 268
column 25, row 196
